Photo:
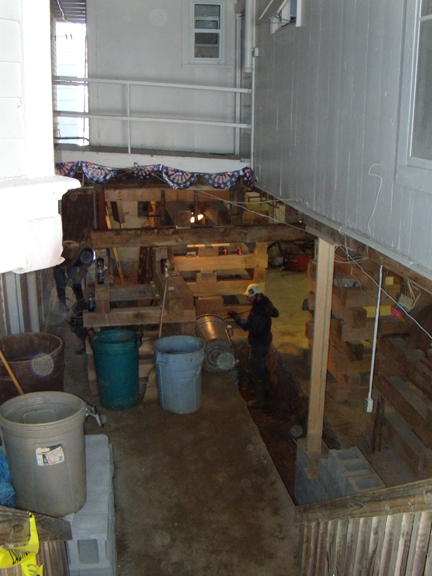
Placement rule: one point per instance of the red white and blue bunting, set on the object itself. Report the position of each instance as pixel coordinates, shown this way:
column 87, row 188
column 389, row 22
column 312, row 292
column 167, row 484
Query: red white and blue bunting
column 177, row 179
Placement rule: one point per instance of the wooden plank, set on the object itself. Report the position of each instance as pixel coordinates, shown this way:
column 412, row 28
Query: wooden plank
column 217, row 212
column 358, row 560
column 152, row 192
column 208, row 251
column 412, row 364
column 135, row 316
column 206, row 277
column 390, row 543
column 180, row 213
column 349, row 548
column 211, row 305
column 337, row 391
column 212, row 263
column 132, row 292
column 179, row 295
column 405, row 498
column 134, row 237
column 322, row 317
column 418, row 545
column 353, row 297
column 355, row 317
column 416, row 455
column 342, row 364
column 388, row 325
column 219, row 288
column 409, row 405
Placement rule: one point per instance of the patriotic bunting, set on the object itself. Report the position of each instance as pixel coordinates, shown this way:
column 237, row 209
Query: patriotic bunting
column 177, row 179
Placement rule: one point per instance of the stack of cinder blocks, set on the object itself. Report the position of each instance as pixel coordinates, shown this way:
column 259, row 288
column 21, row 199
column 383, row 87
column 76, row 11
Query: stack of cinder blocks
column 338, row 473
column 92, row 551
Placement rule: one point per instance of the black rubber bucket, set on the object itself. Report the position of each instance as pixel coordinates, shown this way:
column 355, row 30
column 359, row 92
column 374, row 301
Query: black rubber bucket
column 37, row 361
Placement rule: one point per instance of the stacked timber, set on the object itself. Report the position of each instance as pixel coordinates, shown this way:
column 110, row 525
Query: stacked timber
column 218, row 275
column 354, row 300
column 404, row 378
column 144, row 307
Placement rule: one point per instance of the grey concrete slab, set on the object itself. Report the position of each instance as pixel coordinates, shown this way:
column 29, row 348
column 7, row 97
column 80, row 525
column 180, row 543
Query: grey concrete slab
column 198, row 493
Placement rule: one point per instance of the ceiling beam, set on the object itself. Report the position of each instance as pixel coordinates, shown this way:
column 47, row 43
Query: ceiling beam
column 152, row 237
column 358, row 249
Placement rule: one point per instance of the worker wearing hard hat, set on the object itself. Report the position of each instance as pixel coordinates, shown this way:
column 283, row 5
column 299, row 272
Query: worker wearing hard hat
column 258, row 324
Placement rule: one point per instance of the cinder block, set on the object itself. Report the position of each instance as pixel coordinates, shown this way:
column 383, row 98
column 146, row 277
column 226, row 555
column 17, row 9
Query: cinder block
column 356, row 484
column 92, row 551
column 307, row 490
column 327, row 481
column 347, row 462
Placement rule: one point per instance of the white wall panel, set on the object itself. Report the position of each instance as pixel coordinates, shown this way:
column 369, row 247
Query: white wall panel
column 151, row 41
column 327, row 122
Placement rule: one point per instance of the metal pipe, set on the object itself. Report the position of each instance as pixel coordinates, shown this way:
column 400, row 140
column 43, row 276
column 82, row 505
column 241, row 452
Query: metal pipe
column 248, row 35
column 129, row 124
column 163, row 304
column 71, row 80
column 70, row 114
column 369, row 400
column 32, row 298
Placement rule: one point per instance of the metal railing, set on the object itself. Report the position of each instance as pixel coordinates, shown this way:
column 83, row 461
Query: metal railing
column 129, row 117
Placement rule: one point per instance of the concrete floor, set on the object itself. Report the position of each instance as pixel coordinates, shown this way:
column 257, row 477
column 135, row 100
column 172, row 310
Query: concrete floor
column 199, row 494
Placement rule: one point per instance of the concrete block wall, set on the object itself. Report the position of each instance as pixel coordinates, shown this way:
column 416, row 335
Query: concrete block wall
column 340, row 473
column 92, row 552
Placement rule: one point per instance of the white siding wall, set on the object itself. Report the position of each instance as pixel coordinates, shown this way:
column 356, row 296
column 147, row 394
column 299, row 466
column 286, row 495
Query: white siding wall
column 135, row 40
column 30, row 225
column 327, row 122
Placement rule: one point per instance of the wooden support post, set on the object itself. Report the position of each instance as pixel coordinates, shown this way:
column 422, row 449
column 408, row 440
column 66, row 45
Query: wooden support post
column 116, row 255
column 321, row 336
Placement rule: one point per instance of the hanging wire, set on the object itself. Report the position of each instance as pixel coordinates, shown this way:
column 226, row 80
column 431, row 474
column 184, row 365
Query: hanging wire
column 349, row 257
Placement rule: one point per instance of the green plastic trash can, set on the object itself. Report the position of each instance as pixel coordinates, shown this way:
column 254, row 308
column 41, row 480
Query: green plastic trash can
column 116, row 357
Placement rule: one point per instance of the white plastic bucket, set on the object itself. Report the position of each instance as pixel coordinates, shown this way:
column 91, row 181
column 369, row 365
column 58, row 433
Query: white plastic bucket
column 43, row 433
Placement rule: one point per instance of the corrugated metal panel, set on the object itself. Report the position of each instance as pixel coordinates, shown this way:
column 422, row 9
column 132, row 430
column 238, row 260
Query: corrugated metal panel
column 69, row 10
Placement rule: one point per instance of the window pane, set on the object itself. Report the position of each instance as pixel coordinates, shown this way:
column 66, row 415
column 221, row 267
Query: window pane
column 422, row 129
column 206, row 39
column 206, row 45
column 207, row 11
column 213, row 24
column 426, row 7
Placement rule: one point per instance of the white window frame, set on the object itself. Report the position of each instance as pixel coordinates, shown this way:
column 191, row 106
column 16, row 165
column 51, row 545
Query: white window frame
column 281, row 13
column 221, row 32
column 412, row 172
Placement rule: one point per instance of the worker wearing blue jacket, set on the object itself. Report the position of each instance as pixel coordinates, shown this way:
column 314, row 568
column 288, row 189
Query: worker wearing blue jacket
column 258, row 324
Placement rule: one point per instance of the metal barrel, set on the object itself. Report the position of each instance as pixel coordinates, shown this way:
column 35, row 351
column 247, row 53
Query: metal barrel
column 219, row 354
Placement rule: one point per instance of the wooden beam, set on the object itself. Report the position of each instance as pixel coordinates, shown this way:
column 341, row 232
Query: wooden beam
column 180, row 213
column 134, row 237
column 211, row 263
column 135, row 316
column 407, row 498
column 360, row 249
column 153, row 193
column 322, row 318
column 217, row 212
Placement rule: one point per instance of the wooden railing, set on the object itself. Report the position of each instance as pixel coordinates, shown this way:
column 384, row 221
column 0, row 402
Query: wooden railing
column 383, row 532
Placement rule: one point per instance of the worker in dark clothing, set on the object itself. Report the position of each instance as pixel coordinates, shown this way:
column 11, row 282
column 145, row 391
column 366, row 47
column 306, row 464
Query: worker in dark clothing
column 77, row 259
column 258, row 324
